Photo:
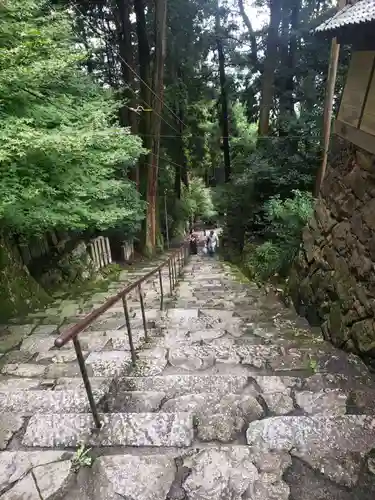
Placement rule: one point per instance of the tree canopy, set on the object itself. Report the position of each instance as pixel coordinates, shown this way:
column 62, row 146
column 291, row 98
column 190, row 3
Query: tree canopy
column 63, row 157
column 115, row 110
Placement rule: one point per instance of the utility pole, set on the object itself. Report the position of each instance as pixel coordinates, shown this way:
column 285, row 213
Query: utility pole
column 224, row 118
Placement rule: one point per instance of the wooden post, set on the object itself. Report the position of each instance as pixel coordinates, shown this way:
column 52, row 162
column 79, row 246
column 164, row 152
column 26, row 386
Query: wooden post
column 328, row 105
column 166, row 218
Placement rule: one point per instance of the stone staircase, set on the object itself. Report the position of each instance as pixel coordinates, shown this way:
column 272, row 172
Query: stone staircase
column 233, row 398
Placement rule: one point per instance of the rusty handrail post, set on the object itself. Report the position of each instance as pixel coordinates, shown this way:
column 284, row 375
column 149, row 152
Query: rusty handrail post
column 161, row 290
column 170, row 276
column 179, row 262
column 128, row 327
column 173, row 276
column 175, row 270
column 86, row 382
column 143, row 311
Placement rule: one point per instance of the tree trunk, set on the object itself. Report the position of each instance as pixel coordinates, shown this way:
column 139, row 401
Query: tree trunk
column 282, row 81
column 145, row 131
column 224, row 122
column 292, row 59
column 184, row 173
column 269, row 68
column 127, row 117
column 158, row 83
column 181, row 170
column 253, row 41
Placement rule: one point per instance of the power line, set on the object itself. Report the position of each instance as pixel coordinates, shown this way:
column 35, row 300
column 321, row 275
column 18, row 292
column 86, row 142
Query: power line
column 132, row 90
column 69, row 111
column 133, row 71
column 275, row 137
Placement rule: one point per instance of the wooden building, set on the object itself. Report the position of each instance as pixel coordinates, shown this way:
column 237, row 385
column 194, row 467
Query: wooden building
column 355, row 25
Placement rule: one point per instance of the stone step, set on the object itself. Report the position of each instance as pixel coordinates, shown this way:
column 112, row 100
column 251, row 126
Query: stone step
column 215, row 473
column 27, row 403
column 204, row 353
column 335, row 447
column 178, row 385
column 34, row 384
column 119, row 429
column 108, row 363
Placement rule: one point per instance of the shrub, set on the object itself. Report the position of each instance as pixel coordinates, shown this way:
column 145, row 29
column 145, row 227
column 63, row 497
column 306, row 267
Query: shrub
column 285, row 220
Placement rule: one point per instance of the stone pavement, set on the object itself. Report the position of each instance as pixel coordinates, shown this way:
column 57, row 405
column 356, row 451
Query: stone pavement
column 232, row 398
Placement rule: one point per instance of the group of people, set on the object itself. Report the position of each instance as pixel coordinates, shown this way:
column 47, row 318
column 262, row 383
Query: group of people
column 210, row 245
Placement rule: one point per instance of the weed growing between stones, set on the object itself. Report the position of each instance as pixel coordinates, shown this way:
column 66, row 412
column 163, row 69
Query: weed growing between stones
column 82, row 458
column 313, row 365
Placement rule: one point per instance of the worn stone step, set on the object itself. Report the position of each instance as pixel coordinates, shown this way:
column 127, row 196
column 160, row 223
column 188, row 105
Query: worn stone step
column 214, row 473
column 27, row 403
column 175, row 385
column 119, row 429
column 274, row 358
column 26, row 384
column 335, row 446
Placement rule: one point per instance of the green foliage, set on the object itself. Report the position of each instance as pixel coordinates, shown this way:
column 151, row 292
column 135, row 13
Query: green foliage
column 62, row 161
column 197, row 200
column 278, row 166
column 285, row 220
column 195, row 203
column 82, row 458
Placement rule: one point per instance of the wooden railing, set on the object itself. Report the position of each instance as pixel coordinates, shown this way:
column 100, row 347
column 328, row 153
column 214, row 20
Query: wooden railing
column 175, row 263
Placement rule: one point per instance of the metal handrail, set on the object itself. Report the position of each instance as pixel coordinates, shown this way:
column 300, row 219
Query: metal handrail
column 71, row 334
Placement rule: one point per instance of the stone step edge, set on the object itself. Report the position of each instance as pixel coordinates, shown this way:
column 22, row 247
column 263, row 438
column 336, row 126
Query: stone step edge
column 28, row 403
column 9, row 384
column 119, row 429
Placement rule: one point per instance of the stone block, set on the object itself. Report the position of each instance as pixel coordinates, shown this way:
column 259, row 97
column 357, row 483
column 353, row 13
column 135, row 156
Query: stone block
column 38, row 342
column 54, row 479
column 327, row 401
column 364, row 160
column 363, row 335
column 17, row 384
column 119, row 429
column 340, row 235
column 24, row 489
column 220, row 474
column 23, row 370
column 356, row 181
column 9, row 425
column 108, row 363
column 133, row 477
column 14, row 465
column 368, row 214
column 28, row 403
column 323, row 217
column 337, row 455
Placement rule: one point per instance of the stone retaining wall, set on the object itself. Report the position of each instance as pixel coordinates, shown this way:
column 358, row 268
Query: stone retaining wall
column 333, row 279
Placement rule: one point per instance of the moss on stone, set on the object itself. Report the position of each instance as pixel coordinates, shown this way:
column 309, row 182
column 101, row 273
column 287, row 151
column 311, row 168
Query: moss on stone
column 19, row 292
column 237, row 273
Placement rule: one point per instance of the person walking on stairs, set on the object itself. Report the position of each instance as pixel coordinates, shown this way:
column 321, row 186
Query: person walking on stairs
column 193, row 242
column 212, row 243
